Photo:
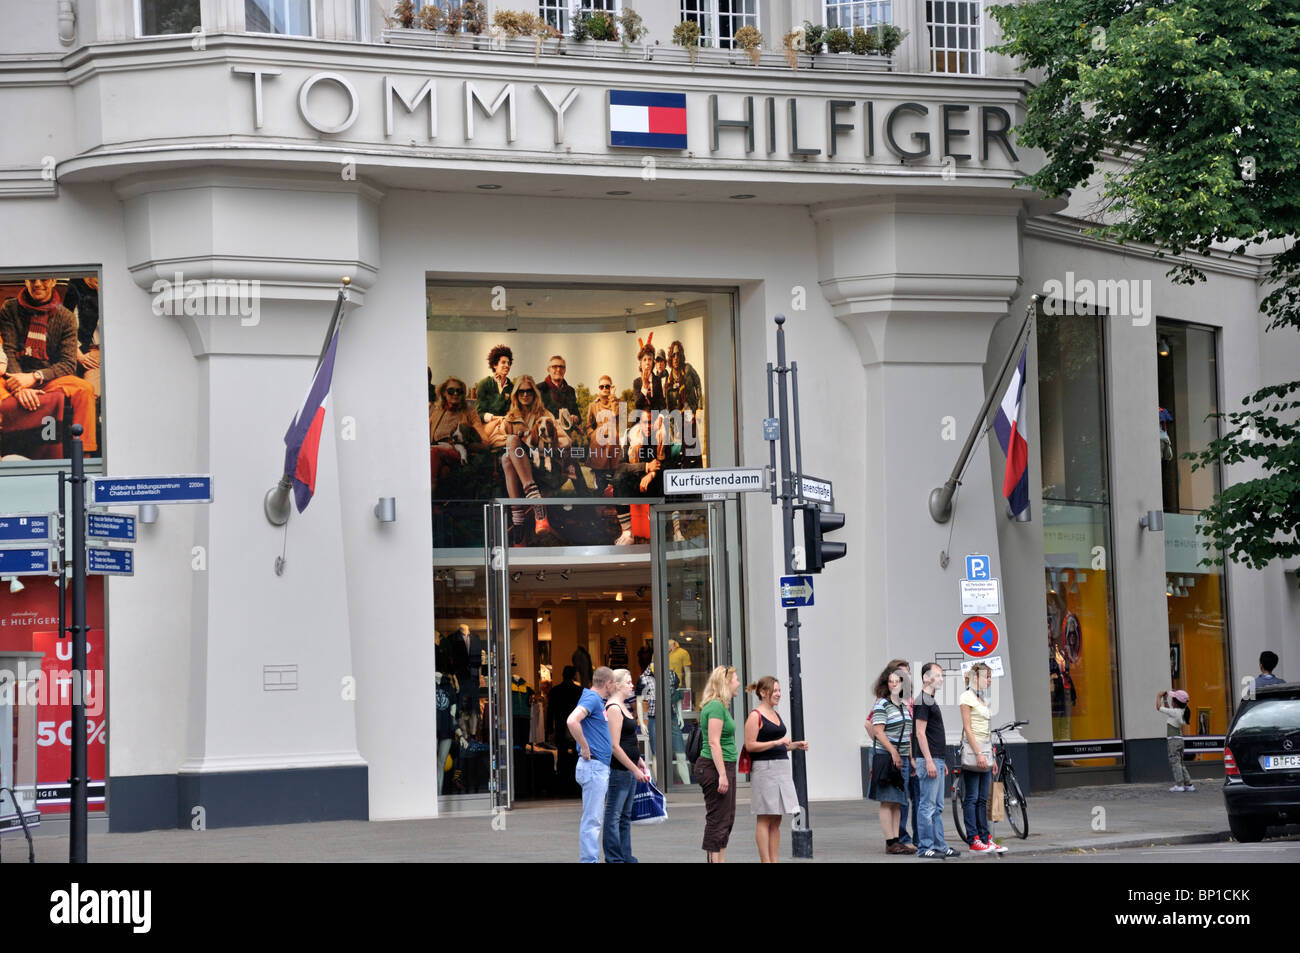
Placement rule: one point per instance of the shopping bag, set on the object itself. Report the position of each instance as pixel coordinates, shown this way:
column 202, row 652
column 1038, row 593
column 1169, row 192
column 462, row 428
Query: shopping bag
column 997, row 809
column 648, row 805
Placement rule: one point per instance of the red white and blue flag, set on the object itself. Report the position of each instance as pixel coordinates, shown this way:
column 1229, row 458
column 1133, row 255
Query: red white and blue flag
column 302, row 441
column 645, row 120
column 1009, row 426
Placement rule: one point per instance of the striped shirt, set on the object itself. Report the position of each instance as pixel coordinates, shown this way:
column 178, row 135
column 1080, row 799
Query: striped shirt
column 898, row 725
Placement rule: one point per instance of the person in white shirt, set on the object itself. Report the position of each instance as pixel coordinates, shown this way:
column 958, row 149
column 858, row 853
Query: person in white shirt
column 1178, row 714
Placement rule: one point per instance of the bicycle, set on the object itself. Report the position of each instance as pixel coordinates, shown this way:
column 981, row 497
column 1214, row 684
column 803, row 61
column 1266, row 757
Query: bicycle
column 1013, row 799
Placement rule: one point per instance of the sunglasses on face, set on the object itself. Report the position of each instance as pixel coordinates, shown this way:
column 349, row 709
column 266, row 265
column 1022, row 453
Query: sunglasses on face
column 454, row 391
column 605, row 387
column 557, row 367
column 524, row 393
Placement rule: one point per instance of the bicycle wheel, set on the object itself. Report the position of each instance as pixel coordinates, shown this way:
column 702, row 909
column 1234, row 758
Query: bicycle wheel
column 958, row 820
column 1013, row 800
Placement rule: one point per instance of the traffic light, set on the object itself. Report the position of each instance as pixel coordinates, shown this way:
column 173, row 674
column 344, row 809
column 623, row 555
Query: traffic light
column 817, row 550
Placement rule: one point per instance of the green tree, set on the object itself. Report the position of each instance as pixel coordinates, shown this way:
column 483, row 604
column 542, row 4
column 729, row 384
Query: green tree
column 1198, row 104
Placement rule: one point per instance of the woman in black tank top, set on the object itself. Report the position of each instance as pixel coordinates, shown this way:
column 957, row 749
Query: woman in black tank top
column 626, row 768
column 771, row 780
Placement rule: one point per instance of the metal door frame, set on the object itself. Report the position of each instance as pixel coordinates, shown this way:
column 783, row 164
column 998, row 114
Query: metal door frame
column 496, row 563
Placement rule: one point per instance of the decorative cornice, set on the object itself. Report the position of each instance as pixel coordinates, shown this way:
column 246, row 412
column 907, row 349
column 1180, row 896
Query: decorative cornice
column 28, row 183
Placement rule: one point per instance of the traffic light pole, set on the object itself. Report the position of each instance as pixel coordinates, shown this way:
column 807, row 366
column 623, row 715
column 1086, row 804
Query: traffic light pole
column 78, row 819
column 802, row 836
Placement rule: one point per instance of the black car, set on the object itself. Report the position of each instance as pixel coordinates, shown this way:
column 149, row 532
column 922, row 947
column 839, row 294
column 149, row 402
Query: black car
column 1261, row 756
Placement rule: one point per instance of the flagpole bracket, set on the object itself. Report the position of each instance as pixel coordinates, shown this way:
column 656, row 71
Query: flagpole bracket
column 276, row 503
column 941, row 502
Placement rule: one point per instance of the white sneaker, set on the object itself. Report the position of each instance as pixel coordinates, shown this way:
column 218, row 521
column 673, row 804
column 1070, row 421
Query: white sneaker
column 627, row 539
column 1178, row 787
column 1190, row 787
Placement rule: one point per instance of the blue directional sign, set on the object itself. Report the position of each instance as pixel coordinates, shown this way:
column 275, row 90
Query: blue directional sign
column 27, row 562
column 195, row 488
column 107, row 561
column 796, row 591
column 28, row 527
column 110, row 526
column 977, row 567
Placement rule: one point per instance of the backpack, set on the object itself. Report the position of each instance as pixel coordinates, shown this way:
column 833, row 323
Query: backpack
column 694, row 742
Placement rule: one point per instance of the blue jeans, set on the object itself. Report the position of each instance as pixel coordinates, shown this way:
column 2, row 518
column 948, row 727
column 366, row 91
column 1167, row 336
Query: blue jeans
column 618, row 818
column 594, row 778
column 913, row 793
column 929, row 808
column 975, row 801
column 650, row 727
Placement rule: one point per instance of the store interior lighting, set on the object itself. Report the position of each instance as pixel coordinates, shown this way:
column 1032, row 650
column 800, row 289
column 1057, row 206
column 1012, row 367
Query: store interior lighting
column 629, row 322
column 1163, row 347
column 564, row 574
column 512, row 319
column 516, row 576
column 541, row 575
column 15, row 585
column 670, row 311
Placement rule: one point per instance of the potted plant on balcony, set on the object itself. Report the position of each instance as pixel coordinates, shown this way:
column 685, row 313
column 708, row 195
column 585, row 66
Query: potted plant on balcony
column 891, row 37
column 749, row 39
column 687, row 34
column 862, row 42
column 595, row 33
column 838, row 40
column 633, row 29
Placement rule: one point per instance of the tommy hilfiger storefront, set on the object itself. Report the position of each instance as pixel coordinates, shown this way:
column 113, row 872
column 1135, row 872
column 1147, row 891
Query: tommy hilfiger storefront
column 613, row 237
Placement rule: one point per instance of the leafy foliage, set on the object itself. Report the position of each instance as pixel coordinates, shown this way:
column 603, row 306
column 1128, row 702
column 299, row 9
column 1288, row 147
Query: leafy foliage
column 1201, row 99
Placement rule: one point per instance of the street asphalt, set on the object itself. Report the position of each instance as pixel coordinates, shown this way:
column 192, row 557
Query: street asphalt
column 1063, row 825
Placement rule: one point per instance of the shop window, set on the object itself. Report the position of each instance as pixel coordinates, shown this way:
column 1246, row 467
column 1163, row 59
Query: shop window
column 720, row 19
column 956, row 36
column 1076, row 541
column 165, row 17
column 281, row 17
column 863, row 13
column 1187, row 387
column 51, row 332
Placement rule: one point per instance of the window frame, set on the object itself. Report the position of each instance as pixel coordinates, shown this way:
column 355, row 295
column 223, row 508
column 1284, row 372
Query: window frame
column 139, row 23
column 311, row 16
column 850, row 5
column 710, row 20
column 568, row 10
column 976, row 52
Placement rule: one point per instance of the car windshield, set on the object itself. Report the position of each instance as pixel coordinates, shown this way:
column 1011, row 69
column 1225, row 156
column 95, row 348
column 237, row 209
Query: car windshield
column 1269, row 714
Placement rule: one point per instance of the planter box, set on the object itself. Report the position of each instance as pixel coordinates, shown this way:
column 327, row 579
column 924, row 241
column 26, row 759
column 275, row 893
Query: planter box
column 868, row 63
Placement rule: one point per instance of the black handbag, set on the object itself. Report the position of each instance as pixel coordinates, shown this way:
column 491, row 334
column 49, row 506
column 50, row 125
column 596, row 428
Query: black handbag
column 885, row 772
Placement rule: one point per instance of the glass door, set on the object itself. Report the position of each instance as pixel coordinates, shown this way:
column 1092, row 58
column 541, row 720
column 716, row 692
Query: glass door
column 497, row 654
column 692, row 623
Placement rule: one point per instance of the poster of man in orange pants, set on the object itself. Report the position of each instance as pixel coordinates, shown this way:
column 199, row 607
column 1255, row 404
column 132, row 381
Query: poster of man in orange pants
column 40, row 344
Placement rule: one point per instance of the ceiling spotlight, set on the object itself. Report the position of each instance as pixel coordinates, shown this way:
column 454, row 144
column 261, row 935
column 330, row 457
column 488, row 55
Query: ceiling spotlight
column 564, row 574
column 618, row 596
column 516, row 576
column 670, row 311
column 618, row 192
column 633, row 619
column 15, row 585
column 512, row 319
column 629, row 322
column 640, row 592
column 539, row 618
column 742, row 195
column 1162, row 347
column 541, row 575
column 488, row 187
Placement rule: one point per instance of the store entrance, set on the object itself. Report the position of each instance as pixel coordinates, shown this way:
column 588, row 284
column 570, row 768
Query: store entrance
column 521, row 629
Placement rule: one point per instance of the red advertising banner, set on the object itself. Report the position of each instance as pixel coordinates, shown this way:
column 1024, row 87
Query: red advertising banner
column 29, row 622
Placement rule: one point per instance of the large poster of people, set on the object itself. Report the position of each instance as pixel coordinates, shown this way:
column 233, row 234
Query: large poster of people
column 49, row 365
column 539, row 416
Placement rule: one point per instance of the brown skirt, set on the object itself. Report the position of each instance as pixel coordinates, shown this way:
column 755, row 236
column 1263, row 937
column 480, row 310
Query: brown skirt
column 719, row 809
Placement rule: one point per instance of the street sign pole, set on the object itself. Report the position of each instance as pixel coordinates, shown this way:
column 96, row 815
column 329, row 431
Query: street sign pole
column 802, row 835
column 78, row 819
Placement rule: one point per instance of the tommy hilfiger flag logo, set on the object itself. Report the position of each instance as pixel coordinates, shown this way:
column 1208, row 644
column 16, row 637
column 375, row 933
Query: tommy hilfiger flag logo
column 643, row 120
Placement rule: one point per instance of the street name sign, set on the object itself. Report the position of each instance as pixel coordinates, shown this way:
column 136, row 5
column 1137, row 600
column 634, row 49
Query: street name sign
column 191, row 488
column 716, row 480
column 813, row 489
column 796, row 591
column 28, row 527
column 109, row 561
column 110, row 526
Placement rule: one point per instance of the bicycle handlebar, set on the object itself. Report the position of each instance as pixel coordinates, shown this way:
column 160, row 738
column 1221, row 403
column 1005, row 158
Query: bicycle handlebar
column 1010, row 725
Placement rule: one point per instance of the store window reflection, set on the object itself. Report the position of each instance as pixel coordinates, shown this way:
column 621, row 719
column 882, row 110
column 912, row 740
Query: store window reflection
column 1076, row 542
column 1187, row 379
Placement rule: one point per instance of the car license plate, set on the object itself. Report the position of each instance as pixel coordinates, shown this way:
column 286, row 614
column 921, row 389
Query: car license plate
column 1282, row 762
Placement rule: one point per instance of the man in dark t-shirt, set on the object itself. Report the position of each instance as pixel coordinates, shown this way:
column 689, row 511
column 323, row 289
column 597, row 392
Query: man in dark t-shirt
column 929, row 752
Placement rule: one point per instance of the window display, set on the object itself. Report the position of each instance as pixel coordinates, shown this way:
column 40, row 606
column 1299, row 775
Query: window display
column 50, row 366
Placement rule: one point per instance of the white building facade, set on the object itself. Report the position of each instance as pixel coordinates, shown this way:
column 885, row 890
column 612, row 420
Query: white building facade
column 465, row 183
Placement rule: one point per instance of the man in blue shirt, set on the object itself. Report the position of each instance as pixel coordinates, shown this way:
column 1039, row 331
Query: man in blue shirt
column 1267, row 662
column 590, row 730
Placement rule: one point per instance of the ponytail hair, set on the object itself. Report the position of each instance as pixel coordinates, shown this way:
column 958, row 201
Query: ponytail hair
column 763, row 686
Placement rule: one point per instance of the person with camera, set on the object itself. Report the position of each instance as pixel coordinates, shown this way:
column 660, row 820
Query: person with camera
column 891, row 754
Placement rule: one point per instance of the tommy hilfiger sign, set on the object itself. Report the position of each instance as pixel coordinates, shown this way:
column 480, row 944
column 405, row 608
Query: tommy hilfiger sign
column 584, row 119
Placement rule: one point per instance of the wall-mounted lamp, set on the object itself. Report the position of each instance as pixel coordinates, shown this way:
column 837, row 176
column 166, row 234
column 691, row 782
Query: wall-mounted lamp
column 386, row 509
column 512, row 319
column 148, row 512
column 670, row 311
column 1162, row 347
column 1153, row 521
column 629, row 322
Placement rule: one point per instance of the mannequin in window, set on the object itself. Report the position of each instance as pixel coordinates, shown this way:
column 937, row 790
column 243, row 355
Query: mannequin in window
column 445, row 705
column 464, row 653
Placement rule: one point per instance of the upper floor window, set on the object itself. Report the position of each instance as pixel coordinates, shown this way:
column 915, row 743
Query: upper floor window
column 720, row 19
column 863, row 13
column 282, row 17
column 561, row 13
column 164, row 17
column 956, row 41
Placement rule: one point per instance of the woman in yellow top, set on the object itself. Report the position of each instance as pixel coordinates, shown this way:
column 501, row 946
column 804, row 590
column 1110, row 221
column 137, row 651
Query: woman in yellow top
column 977, row 759
column 716, row 767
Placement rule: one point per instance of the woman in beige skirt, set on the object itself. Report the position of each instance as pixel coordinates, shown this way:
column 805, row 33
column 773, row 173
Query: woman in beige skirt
column 771, row 782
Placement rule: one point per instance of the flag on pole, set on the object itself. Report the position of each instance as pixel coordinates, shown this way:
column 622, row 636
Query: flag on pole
column 1009, row 426
column 302, row 441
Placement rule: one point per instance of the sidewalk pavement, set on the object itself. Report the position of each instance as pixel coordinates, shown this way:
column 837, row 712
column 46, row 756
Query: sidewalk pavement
column 1061, row 822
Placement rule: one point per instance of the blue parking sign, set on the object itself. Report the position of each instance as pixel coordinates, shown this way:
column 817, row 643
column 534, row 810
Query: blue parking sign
column 977, row 567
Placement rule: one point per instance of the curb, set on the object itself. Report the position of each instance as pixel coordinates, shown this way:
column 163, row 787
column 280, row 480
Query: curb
column 1204, row 837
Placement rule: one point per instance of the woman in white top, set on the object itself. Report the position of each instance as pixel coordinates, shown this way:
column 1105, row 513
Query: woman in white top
column 977, row 779
column 1178, row 714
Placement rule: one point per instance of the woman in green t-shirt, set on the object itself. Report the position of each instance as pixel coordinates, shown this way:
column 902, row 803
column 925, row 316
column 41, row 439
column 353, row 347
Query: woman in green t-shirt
column 716, row 767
